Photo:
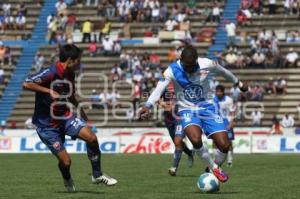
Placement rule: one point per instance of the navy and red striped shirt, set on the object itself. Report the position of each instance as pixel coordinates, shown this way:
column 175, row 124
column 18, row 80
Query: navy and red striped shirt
column 49, row 112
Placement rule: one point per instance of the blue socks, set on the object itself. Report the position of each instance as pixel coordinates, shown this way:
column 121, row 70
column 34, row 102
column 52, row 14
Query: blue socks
column 94, row 155
column 177, row 157
column 65, row 171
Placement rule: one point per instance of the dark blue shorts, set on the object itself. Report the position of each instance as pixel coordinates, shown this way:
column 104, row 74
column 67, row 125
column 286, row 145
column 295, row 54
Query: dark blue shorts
column 175, row 130
column 54, row 138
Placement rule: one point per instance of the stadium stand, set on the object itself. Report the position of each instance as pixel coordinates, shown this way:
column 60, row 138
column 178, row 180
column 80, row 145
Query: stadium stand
column 104, row 64
column 31, row 13
column 8, row 68
column 267, row 34
column 13, row 88
column 131, row 34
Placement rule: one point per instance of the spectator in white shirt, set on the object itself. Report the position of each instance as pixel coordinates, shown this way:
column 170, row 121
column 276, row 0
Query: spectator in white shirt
column 115, row 97
column 256, row 117
column 155, row 14
column 20, row 21
column 291, row 58
column 287, row 7
column 129, row 115
column 264, row 35
column 231, row 59
column 247, row 13
column 216, row 13
column 50, row 18
column 6, row 7
column 231, row 32
column 105, row 99
column 272, row 7
column 108, row 45
column 9, row 22
column 38, row 61
column 279, row 86
column 235, row 93
column 181, row 16
column 287, row 121
column 1, row 76
column 171, row 24
column 115, row 73
column 258, row 60
column 28, row 124
column 151, row 3
column 60, row 6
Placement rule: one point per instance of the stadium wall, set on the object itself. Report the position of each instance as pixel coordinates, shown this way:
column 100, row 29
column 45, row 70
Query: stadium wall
column 152, row 141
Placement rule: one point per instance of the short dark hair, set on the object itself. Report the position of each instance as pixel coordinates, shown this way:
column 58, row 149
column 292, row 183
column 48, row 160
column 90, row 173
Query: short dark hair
column 69, row 51
column 220, row 88
column 189, row 51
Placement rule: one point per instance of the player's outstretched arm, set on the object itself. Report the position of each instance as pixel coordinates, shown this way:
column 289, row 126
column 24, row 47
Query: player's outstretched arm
column 35, row 83
column 228, row 75
column 37, row 88
column 154, row 97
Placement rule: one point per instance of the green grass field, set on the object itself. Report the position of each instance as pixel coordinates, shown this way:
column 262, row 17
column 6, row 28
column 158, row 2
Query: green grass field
column 145, row 176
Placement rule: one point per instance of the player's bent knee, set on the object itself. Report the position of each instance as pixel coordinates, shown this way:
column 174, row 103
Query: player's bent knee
column 224, row 147
column 178, row 143
column 66, row 162
column 197, row 145
column 92, row 138
column 196, row 142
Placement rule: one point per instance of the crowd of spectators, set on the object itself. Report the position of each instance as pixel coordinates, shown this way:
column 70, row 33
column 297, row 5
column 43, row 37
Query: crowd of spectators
column 256, row 93
column 12, row 18
column 143, row 69
column 5, row 59
column 63, row 26
column 265, row 52
column 251, row 8
column 105, row 99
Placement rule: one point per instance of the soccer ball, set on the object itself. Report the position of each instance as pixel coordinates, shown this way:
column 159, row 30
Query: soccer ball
column 208, row 183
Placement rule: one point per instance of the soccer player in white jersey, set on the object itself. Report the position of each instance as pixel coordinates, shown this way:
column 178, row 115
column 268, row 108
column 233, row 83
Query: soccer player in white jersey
column 227, row 111
column 198, row 113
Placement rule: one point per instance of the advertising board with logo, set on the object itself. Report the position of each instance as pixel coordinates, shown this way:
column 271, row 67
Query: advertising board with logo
column 148, row 140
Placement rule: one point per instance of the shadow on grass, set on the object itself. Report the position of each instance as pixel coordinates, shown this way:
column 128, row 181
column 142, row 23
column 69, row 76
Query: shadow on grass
column 81, row 191
column 201, row 193
column 186, row 176
column 217, row 193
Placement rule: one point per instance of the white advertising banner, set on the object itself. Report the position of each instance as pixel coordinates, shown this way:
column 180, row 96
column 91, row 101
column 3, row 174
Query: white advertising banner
column 146, row 144
column 34, row 145
column 276, row 144
column 147, row 140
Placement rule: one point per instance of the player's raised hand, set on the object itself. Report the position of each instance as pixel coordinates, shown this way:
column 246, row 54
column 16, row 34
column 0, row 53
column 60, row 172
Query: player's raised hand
column 55, row 95
column 144, row 113
column 243, row 86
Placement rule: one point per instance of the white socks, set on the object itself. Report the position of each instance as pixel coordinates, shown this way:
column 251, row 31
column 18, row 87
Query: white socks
column 220, row 157
column 230, row 157
column 205, row 157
